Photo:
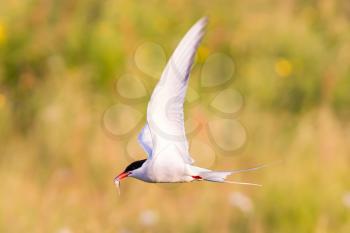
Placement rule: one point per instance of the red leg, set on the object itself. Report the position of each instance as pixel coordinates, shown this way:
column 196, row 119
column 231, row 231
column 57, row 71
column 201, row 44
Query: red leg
column 197, row 177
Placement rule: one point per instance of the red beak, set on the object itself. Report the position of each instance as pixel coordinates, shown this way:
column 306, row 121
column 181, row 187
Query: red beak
column 122, row 176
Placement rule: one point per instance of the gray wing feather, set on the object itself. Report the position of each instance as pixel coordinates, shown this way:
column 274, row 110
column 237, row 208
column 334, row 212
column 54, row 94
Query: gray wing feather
column 145, row 140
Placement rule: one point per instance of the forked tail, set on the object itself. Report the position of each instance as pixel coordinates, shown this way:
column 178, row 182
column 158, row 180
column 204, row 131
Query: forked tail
column 220, row 176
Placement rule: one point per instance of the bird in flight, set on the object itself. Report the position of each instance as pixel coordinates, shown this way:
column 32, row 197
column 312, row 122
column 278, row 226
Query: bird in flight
column 163, row 136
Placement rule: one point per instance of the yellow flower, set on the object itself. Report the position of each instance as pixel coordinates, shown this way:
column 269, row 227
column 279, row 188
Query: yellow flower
column 2, row 33
column 283, row 67
column 203, row 53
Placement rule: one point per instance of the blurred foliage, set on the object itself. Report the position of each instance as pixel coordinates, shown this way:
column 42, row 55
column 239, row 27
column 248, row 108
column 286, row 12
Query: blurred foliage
column 59, row 61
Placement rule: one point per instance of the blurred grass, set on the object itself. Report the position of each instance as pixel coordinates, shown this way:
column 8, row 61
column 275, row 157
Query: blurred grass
column 59, row 61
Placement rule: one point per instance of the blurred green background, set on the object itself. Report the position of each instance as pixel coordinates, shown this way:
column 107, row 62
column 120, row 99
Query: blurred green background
column 59, row 64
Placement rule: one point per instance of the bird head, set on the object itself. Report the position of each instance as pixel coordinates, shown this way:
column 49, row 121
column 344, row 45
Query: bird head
column 128, row 172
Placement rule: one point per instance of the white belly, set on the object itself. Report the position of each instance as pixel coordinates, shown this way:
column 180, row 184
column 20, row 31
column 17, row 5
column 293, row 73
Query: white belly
column 168, row 173
column 168, row 166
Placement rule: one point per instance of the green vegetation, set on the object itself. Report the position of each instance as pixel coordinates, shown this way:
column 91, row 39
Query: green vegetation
column 59, row 63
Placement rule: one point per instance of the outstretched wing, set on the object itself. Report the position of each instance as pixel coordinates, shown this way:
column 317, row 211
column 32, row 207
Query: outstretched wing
column 165, row 115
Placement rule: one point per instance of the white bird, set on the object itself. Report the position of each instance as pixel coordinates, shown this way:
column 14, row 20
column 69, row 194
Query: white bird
column 163, row 137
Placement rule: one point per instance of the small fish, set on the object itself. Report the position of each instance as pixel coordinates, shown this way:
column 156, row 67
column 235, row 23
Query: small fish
column 117, row 184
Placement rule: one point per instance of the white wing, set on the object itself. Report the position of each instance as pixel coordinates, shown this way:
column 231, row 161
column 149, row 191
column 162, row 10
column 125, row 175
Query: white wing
column 165, row 114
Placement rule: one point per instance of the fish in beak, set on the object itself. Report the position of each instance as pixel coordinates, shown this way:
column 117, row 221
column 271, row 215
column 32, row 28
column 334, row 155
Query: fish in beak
column 119, row 178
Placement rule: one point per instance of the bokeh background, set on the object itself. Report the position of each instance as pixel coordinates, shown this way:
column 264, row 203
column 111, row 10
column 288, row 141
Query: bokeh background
column 59, row 65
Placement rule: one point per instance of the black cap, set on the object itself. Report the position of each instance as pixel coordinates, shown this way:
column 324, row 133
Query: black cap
column 134, row 165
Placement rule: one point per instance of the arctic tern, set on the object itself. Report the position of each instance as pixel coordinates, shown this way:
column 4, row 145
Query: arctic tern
column 163, row 136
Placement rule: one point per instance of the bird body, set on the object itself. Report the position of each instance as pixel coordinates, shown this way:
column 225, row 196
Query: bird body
column 163, row 137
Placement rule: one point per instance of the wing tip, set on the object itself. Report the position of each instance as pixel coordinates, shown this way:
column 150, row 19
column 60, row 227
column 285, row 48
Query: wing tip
column 204, row 20
column 202, row 23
